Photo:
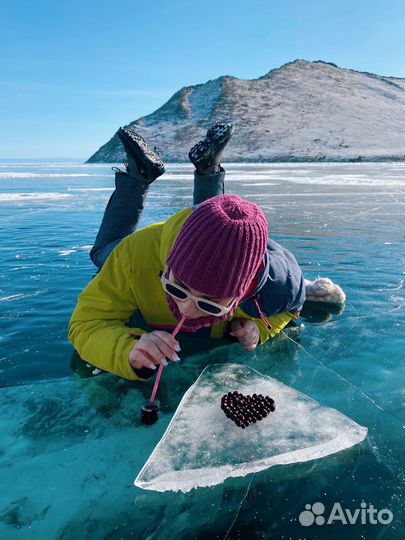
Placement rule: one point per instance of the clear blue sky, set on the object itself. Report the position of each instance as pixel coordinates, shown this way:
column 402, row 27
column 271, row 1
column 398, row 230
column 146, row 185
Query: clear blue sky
column 73, row 71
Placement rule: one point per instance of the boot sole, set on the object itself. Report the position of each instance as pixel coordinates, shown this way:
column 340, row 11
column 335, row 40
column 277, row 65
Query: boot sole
column 136, row 145
column 204, row 152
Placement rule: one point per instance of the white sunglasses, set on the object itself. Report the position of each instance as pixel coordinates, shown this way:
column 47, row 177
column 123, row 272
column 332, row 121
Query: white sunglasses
column 207, row 306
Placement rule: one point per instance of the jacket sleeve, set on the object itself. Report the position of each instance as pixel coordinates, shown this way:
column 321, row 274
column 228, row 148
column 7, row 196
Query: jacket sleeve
column 277, row 322
column 97, row 328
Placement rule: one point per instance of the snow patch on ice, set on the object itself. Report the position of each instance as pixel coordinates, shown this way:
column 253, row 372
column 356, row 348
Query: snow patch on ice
column 20, row 197
column 74, row 249
column 13, row 175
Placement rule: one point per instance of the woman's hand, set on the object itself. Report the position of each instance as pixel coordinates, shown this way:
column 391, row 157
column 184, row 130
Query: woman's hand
column 247, row 333
column 152, row 349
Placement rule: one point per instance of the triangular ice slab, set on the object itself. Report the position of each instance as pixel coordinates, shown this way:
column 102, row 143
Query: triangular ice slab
column 201, row 447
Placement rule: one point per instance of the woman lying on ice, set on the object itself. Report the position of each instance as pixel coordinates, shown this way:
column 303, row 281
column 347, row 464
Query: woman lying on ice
column 212, row 263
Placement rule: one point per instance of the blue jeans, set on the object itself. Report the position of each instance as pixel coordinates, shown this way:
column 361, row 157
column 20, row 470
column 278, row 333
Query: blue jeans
column 124, row 209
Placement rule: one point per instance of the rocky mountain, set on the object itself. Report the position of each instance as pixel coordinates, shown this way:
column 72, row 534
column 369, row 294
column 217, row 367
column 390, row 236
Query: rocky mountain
column 302, row 111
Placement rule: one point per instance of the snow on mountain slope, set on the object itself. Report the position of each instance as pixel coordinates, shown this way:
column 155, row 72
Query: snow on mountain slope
column 302, row 111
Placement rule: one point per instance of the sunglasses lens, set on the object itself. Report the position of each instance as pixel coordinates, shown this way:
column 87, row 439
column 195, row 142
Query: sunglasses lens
column 178, row 293
column 208, row 308
column 174, row 291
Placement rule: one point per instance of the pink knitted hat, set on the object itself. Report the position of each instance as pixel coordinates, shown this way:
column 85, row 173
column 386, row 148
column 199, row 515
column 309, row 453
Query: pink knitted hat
column 220, row 246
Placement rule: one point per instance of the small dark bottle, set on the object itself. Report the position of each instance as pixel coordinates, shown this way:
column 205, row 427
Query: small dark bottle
column 150, row 413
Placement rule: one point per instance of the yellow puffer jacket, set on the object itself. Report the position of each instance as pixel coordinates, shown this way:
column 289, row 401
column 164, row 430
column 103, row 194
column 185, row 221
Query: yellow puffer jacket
column 128, row 282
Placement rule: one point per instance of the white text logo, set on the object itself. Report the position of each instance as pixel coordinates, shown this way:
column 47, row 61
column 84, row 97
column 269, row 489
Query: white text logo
column 367, row 513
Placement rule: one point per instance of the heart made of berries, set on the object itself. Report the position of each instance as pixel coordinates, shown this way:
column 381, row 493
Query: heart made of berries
column 246, row 410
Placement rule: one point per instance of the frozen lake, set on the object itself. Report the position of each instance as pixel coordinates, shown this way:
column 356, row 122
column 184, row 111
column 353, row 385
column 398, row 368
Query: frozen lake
column 71, row 447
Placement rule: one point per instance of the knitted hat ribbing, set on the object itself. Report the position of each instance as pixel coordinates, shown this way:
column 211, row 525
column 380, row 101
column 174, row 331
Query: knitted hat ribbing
column 220, row 246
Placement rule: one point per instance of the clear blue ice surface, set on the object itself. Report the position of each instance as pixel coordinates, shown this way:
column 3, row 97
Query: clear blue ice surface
column 70, row 446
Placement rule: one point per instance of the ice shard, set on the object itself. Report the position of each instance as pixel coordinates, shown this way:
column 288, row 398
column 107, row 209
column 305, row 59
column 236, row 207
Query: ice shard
column 201, row 447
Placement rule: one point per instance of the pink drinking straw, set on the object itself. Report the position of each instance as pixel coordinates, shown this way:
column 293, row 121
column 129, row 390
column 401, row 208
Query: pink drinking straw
column 159, row 374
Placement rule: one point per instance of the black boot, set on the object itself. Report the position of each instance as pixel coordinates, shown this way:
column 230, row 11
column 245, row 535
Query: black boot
column 207, row 153
column 141, row 160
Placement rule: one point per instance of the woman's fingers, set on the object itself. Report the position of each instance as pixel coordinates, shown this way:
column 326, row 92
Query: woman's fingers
column 236, row 326
column 168, row 339
column 244, row 327
column 250, row 342
column 250, row 346
column 159, row 349
column 166, row 344
column 153, row 349
column 139, row 359
column 247, row 333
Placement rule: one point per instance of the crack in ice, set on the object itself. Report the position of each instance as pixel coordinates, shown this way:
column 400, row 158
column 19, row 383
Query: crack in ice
column 239, row 508
column 340, row 377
